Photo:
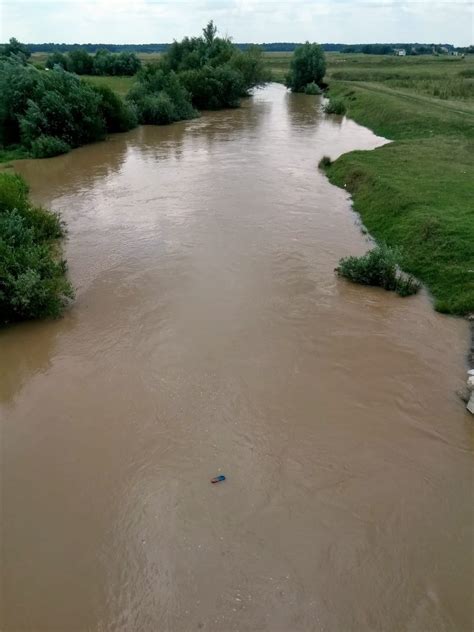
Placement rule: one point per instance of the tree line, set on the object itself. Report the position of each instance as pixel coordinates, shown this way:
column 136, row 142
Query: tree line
column 51, row 47
column 102, row 63
column 410, row 49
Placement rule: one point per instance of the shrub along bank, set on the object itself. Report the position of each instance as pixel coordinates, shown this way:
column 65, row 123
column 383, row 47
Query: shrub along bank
column 198, row 73
column 48, row 113
column 33, row 281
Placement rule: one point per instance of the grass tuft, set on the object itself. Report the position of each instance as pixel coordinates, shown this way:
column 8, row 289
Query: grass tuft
column 378, row 267
column 335, row 106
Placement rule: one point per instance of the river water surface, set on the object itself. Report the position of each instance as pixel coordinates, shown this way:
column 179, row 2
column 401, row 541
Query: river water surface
column 210, row 335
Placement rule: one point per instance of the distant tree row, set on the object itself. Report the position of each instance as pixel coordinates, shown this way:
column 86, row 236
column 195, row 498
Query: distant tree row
column 51, row 47
column 410, row 49
column 380, row 49
column 102, row 63
column 425, row 48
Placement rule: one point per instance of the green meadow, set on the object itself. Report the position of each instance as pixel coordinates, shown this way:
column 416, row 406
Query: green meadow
column 416, row 193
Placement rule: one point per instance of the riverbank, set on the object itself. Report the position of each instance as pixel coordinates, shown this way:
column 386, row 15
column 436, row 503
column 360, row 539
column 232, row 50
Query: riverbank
column 417, row 192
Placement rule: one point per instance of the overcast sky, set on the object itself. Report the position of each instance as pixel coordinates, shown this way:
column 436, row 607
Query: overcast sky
column 145, row 21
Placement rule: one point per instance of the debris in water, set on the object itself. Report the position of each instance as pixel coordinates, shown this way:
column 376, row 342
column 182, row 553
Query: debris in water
column 218, row 479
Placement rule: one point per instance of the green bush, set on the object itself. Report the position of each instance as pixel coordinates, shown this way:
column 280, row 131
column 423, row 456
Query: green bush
column 214, row 88
column 335, row 106
column 33, row 282
column 50, row 112
column 378, row 267
column 160, row 97
column 325, row 162
column 119, row 115
column 102, row 63
column 312, row 88
column 57, row 59
column 158, row 109
column 308, row 65
column 250, row 65
column 47, row 146
column 206, row 72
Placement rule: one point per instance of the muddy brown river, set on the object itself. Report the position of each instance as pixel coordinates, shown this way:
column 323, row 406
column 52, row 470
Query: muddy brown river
column 210, row 335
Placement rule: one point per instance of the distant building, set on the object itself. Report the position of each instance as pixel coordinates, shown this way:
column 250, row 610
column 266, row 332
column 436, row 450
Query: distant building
column 401, row 52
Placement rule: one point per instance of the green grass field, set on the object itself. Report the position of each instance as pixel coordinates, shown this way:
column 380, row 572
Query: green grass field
column 121, row 85
column 278, row 64
column 417, row 192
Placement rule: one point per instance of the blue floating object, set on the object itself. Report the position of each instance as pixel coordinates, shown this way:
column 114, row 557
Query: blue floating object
column 218, row 479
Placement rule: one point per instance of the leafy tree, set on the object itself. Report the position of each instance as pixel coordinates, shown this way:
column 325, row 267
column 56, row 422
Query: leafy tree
column 214, row 72
column 125, row 64
column 307, row 65
column 160, row 97
column 57, row 59
column 209, row 32
column 102, row 63
column 18, row 84
column 119, row 116
column 214, row 88
column 250, row 64
column 66, row 108
column 80, row 62
column 14, row 48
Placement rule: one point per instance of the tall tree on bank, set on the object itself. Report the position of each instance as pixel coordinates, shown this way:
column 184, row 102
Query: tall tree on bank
column 307, row 66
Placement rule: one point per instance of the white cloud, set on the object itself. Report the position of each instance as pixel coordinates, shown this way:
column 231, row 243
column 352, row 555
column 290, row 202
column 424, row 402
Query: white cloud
column 141, row 21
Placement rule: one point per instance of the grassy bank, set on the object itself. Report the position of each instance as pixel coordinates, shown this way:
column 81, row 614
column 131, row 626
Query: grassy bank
column 417, row 192
column 7, row 155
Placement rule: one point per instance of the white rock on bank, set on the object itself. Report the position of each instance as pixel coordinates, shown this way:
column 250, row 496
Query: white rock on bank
column 470, row 386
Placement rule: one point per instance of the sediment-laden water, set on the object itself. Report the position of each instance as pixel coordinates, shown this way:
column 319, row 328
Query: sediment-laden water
column 210, row 335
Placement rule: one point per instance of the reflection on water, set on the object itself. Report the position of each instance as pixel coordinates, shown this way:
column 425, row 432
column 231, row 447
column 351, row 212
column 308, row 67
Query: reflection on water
column 210, row 335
